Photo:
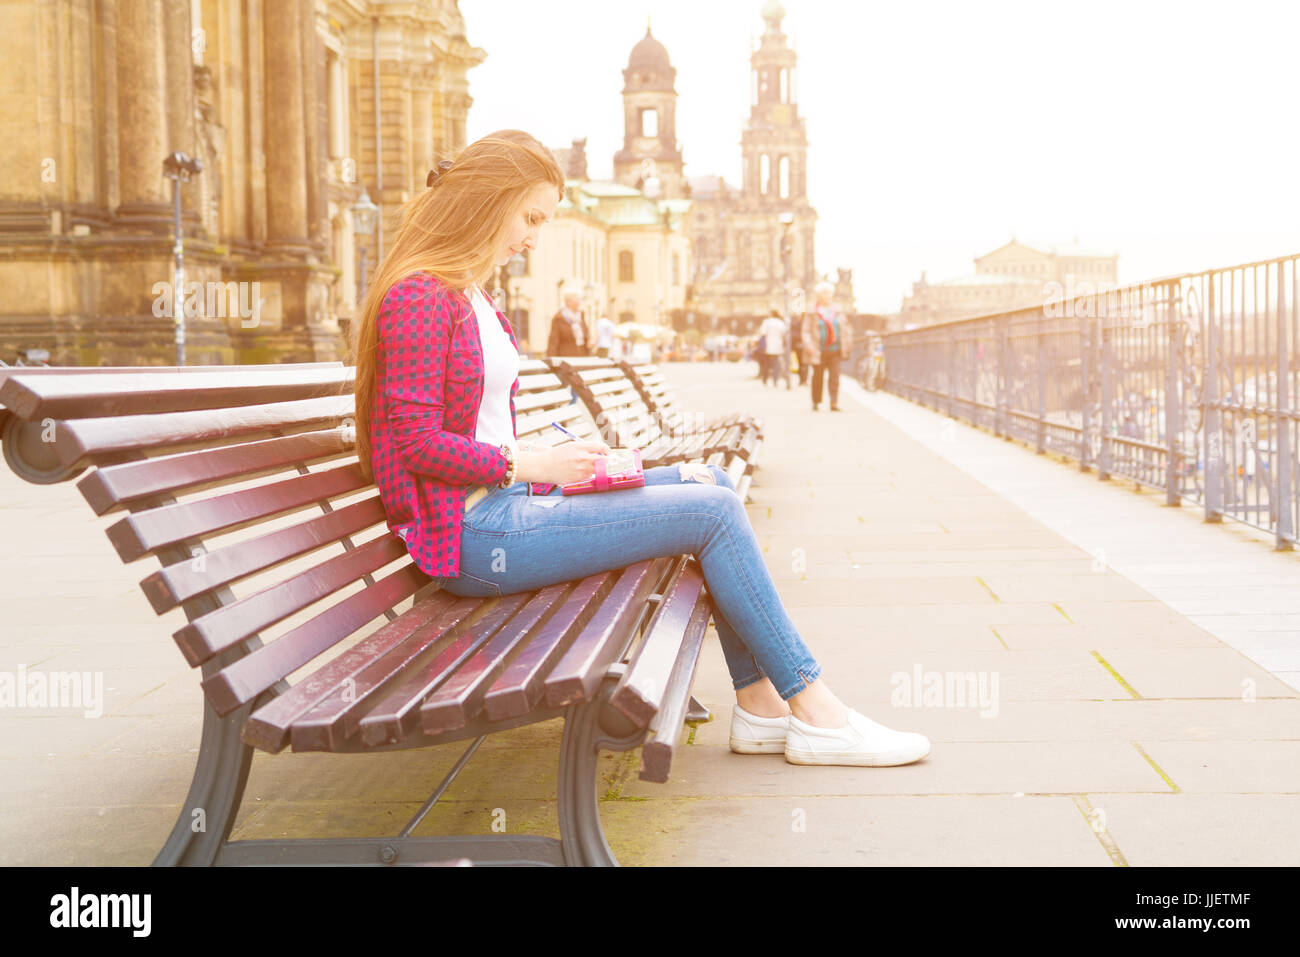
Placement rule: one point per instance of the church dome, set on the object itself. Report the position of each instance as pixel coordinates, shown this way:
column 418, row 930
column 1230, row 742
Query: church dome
column 649, row 56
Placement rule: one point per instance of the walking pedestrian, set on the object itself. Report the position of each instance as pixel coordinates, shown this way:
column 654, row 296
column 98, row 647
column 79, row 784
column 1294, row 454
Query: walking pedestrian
column 569, row 334
column 437, row 371
column 771, row 340
column 827, row 338
column 604, row 335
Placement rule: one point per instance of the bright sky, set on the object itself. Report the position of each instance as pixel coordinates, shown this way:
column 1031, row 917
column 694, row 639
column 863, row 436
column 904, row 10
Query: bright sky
column 1164, row 131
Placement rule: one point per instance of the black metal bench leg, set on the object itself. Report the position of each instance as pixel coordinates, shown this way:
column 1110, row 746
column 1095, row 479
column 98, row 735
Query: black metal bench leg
column 215, row 792
column 582, row 836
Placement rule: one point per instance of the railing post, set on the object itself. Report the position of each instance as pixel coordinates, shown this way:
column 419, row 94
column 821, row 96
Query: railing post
column 952, row 374
column 1107, row 412
column 1213, row 418
column 1040, row 444
column 999, row 388
column 1282, row 422
column 1085, row 393
column 1173, row 398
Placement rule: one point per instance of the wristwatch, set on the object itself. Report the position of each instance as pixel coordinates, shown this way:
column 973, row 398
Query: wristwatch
column 509, row 479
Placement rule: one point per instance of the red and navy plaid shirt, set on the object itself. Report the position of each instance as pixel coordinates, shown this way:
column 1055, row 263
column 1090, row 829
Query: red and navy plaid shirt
column 429, row 385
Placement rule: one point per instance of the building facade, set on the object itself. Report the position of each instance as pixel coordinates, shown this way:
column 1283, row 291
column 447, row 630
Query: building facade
column 1013, row 276
column 651, row 157
column 622, row 244
column 292, row 107
column 626, row 254
column 754, row 245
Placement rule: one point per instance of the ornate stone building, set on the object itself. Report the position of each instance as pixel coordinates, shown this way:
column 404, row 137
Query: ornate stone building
column 623, row 245
column 292, row 107
column 625, row 254
column 1013, row 276
column 737, row 233
column 651, row 158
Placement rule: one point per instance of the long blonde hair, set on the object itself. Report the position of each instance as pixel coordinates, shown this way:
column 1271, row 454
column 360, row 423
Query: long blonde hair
column 451, row 230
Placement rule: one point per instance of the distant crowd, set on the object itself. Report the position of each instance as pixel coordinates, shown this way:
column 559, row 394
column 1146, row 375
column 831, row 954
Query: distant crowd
column 813, row 346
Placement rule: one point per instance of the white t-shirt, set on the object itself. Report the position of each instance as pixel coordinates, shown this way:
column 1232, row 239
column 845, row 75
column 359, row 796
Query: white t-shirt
column 500, row 369
column 773, row 333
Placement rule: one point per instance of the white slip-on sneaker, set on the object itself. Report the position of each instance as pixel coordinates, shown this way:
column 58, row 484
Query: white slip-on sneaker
column 751, row 734
column 860, row 743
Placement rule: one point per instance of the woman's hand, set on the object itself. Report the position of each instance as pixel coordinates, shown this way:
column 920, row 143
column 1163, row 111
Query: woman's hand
column 560, row 464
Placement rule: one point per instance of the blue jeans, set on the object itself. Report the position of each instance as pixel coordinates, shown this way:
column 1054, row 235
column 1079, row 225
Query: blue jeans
column 512, row 542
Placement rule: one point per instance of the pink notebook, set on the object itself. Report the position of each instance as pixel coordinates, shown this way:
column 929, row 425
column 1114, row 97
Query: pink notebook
column 620, row 469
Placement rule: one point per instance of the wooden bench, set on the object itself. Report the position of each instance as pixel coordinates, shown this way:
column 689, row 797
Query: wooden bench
column 651, row 383
column 616, row 403
column 249, row 479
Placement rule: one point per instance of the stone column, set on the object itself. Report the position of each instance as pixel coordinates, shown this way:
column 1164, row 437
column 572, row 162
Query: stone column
column 179, row 91
column 316, row 113
column 421, row 136
column 142, row 114
column 286, row 147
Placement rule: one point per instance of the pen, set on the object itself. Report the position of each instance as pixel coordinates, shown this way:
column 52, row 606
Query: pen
column 566, row 431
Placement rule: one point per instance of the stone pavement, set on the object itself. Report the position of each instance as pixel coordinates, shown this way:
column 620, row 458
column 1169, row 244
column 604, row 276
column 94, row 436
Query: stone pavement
column 1111, row 729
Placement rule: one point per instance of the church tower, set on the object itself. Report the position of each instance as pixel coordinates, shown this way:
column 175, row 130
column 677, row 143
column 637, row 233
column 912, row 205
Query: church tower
column 774, row 144
column 650, row 158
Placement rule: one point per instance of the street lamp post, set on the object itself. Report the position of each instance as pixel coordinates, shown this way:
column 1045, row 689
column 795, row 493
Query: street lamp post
column 365, row 217
column 179, row 168
column 588, row 294
column 515, row 267
column 787, row 252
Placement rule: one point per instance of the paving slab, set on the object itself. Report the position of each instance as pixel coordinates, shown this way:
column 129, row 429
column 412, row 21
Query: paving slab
column 1198, row 830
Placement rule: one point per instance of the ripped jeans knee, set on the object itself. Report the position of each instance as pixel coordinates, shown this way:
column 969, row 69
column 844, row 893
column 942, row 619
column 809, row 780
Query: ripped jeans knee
column 705, row 474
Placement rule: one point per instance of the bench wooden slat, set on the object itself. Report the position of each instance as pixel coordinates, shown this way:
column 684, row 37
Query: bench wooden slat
column 268, row 727
column 659, row 750
column 335, row 718
column 540, row 422
column 284, row 368
column 397, row 712
column 79, row 396
column 237, row 620
column 242, row 681
column 575, row 676
column 111, row 488
column 145, row 532
column 184, row 580
column 662, row 452
column 643, row 685
column 96, row 438
column 617, row 390
column 519, row 687
column 540, row 400
column 454, row 704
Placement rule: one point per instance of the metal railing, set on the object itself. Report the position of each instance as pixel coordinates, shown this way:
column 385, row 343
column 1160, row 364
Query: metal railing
column 1187, row 383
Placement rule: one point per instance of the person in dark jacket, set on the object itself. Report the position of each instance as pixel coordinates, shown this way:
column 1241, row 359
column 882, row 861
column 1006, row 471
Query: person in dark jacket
column 569, row 333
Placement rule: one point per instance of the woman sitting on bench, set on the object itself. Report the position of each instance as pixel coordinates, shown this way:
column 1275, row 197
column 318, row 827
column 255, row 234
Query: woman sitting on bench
column 437, row 369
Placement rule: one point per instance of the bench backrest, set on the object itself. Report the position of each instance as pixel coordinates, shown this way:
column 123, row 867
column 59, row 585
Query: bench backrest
column 246, row 486
column 612, row 399
column 653, row 386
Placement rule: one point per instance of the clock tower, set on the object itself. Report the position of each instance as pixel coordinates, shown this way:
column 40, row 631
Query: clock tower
column 650, row 158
